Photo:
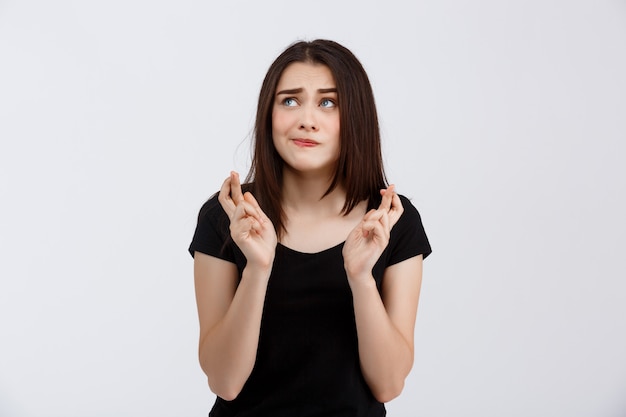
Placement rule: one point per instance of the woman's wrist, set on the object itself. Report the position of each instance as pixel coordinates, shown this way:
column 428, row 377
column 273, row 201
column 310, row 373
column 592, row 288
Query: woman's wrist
column 363, row 281
column 261, row 270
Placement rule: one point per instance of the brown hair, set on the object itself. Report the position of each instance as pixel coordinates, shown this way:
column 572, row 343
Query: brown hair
column 360, row 166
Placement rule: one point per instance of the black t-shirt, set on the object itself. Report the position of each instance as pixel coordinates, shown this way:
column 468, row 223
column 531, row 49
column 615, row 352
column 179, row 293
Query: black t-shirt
column 307, row 360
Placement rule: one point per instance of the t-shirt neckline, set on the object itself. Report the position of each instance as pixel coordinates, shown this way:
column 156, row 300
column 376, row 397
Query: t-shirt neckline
column 334, row 247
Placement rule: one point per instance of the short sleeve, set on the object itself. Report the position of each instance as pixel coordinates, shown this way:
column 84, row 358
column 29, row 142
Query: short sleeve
column 408, row 237
column 212, row 234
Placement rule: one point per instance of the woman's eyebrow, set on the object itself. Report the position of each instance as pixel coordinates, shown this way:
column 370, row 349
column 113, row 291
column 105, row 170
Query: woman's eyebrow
column 292, row 91
column 299, row 90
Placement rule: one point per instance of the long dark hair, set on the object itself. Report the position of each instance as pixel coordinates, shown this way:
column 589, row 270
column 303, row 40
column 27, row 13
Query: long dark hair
column 360, row 166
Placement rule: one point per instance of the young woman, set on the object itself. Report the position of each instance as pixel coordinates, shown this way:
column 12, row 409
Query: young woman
column 308, row 275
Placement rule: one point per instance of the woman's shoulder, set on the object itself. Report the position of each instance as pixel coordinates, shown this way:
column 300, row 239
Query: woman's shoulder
column 211, row 206
column 212, row 234
column 409, row 208
column 408, row 233
column 407, row 204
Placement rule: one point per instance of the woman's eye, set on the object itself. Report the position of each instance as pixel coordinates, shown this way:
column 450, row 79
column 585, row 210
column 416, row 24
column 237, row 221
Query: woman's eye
column 327, row 103
column 290, row 102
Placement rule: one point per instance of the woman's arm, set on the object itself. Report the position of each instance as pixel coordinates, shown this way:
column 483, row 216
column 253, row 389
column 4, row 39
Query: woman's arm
column 230, row 310
column 230, row 319
column 384, row 325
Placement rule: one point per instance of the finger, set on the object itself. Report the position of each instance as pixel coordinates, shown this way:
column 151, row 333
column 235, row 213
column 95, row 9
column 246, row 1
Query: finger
column 384, row 221
column 235, row 187
column 366, row 228
column 245, row 209
column 385, row 203
column 377, row 229
column 246, row 227
column 396, row 210
column 225, row 199
column 379, row 216
column 373, row 215
column 249, row 198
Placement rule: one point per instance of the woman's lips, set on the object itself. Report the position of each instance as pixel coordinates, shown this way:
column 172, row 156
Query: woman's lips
column 305, row 143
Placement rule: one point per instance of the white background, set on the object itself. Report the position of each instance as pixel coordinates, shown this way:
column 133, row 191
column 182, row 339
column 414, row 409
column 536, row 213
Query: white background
column 504, row 121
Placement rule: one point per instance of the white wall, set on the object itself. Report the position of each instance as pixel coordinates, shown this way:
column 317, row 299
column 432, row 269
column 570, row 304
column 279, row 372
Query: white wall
column 504, row 121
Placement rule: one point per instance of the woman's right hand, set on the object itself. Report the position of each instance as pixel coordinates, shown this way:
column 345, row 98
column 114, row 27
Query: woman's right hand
column 250, row 228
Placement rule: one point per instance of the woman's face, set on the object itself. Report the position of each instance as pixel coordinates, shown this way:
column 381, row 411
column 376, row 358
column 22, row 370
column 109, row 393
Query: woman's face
column 305, row 119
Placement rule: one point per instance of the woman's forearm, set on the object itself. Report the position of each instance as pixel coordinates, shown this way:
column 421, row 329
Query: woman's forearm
column 386, row 356
column 228, row 350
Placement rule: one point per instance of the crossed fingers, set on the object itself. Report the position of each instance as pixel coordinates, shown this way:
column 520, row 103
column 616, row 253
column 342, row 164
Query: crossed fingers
column 230, row 194
column 382, row 220
column 250, row 228
column 391, row 204
column 376, row 222
column 237, row 204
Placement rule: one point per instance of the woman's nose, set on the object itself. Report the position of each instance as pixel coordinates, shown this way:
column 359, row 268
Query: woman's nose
column 307, row 119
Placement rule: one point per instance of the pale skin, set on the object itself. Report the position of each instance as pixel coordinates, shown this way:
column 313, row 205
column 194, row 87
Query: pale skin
column 305, row 130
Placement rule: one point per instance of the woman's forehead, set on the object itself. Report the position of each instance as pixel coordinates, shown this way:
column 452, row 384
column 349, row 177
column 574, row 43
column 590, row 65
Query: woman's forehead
column 306, row 75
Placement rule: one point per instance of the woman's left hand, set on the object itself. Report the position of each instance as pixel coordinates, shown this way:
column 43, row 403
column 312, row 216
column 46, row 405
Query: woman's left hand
column 367, row 241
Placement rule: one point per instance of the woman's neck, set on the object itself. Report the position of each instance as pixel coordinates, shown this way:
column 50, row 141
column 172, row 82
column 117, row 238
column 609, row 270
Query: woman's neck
column 314, row 223
column 303, row 194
